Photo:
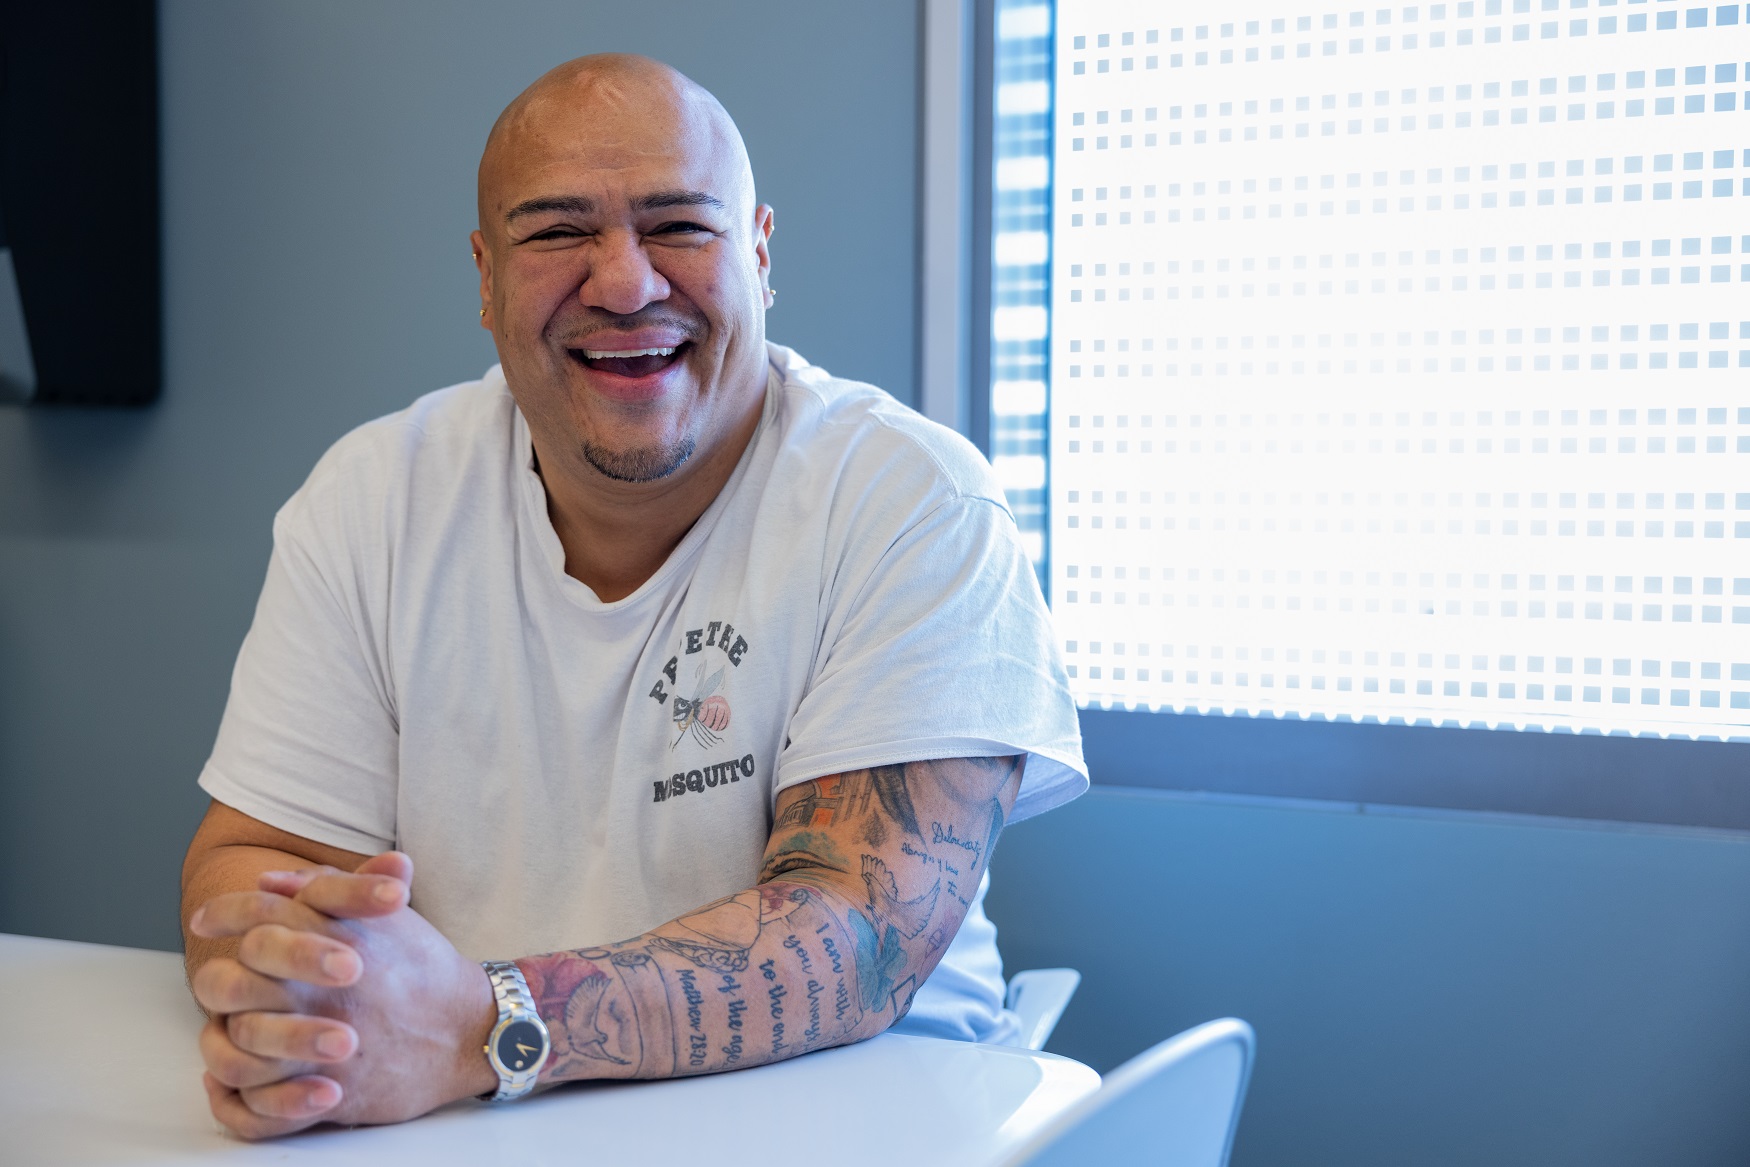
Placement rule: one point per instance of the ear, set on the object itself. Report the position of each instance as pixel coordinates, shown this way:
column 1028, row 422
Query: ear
column 764, row 219
column 483, row 264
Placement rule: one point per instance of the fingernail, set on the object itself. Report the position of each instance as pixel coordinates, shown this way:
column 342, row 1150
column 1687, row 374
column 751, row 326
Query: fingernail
column 386, row 893
column 276, row 876
column 323, row 1094
column 341, row 966
column 333, row 1043
column 194, row 921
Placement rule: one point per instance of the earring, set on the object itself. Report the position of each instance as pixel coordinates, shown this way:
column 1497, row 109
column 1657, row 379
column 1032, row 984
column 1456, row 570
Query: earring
column 482, row 313
column 772, row 292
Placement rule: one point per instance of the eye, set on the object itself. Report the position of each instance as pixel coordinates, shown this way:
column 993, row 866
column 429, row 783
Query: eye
column 681, row 228
column 555, row 233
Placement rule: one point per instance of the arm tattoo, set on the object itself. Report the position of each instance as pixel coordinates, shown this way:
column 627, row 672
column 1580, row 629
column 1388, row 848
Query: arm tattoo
column 824, row 950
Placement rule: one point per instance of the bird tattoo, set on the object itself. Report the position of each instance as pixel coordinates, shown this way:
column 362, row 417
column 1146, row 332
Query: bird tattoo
column 908, row 917
column 582, row 1016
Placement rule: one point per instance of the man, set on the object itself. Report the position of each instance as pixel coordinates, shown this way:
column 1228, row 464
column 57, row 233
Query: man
column 655, row 632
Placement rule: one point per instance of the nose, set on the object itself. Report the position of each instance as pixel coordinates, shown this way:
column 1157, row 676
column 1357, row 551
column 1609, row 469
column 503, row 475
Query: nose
column 621, row 279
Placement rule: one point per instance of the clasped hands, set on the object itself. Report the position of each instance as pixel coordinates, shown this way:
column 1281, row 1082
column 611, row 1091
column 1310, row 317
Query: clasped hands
column 342, row 1004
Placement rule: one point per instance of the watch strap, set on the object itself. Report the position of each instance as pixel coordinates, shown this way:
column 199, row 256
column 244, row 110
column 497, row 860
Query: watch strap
column 515, row 1003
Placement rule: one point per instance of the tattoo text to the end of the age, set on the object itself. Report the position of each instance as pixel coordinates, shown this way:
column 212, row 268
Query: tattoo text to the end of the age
column 824, row 950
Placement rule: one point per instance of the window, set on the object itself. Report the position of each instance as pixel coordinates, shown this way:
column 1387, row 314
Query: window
column 1389, row 369
column 1020, row 186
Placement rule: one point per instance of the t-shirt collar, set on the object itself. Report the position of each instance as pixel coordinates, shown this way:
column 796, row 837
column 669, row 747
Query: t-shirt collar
column 534, row 515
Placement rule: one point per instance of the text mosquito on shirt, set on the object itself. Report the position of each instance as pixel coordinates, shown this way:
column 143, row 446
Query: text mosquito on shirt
column 704, row 778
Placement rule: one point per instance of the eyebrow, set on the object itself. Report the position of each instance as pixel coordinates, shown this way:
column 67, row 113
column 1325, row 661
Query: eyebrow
column 572, row 203
column 578, row 205
column 677, row 198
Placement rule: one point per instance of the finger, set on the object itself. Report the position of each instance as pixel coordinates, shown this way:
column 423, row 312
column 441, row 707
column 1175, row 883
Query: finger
column 289, row 1038
column 229, row 1108
column 237, row 912
column 235, row 1067
column 304, row 1099
column 292, row 954
column 224, row 985
column 396, row 864
column 355, row 897
column 289, row 883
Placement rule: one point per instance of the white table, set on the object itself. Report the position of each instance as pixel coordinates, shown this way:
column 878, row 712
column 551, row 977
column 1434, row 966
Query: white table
column 98, row 1066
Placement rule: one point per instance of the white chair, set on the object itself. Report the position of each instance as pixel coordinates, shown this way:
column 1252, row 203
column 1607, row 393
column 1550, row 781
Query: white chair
column 1038, row 997
column 1175, row 1105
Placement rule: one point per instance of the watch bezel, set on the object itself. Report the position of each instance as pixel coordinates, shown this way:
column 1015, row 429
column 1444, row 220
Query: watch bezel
column 499, row 1031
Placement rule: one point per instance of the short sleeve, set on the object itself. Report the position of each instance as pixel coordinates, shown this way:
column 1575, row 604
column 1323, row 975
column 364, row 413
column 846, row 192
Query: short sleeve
column 943, row 649
column 309, row 742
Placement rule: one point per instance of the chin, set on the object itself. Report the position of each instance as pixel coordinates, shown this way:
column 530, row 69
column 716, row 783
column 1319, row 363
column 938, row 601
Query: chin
column 649, row 463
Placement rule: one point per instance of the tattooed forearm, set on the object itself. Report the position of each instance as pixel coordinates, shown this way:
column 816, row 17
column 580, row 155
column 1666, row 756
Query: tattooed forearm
column 866, row 879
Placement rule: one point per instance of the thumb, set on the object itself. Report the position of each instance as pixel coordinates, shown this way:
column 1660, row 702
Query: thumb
column 395, row 864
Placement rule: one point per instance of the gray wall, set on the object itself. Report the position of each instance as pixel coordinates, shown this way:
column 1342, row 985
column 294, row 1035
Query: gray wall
column 318, row 169
column 1428, row 988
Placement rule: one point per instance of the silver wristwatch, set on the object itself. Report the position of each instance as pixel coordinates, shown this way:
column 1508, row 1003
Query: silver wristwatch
column 518, row 1045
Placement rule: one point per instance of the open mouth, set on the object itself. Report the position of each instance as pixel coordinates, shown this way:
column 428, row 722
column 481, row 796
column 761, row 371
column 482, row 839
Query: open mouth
column 635, row 362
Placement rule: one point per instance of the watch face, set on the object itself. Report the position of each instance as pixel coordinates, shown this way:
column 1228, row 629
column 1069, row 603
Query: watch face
column 520, row 1046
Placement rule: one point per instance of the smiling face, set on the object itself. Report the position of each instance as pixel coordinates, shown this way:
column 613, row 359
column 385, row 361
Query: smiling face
column 623, row 265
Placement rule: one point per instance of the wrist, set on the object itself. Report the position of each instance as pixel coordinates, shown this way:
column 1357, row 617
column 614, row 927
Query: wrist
column 479, row 1014
column 519, row 1044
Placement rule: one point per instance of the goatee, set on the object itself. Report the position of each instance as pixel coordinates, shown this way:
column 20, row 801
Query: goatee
column 641, row 465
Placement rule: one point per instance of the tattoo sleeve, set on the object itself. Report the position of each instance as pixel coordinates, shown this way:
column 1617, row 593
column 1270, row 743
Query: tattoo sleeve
column 866, row 879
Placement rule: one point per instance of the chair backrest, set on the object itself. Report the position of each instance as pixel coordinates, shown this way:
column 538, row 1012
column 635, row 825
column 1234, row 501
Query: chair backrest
column 1038, row 998
column 1176, row 1105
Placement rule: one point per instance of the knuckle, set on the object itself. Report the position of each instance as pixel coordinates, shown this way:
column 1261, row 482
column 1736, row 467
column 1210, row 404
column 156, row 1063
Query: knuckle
column 231, row 1066
column 215, row 983
column 254, row 1126
column 309, row 949
column 214, row 1059
column 258, row 907
column 213, row 1033
column 274, row 949
column 256, row 944
column 245, row 908
column 277, row 1103
column 204, row 982
column 244, row 1030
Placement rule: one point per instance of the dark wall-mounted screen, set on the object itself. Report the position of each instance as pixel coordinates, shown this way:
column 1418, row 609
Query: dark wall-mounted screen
column 80, row 316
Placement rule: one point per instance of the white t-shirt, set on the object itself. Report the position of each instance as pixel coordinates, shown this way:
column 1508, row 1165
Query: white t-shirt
column 422, row 673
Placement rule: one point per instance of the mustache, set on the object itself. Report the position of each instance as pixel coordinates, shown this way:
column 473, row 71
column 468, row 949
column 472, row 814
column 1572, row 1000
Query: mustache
column 592, row 322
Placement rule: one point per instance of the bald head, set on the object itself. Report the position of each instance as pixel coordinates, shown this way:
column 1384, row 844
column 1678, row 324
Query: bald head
column 620, row 108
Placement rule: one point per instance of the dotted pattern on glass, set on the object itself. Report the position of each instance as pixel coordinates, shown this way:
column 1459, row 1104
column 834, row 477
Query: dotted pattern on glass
column 1021, row 249
column 1398, row 362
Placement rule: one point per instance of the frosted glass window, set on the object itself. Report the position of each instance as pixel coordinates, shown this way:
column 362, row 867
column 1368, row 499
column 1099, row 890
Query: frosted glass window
column 1399, row 370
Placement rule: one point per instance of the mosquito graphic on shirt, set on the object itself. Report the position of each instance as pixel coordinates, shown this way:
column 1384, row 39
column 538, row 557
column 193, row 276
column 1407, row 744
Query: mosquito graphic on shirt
column 705, row 715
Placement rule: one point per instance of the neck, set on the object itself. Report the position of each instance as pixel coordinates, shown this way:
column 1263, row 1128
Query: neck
column 617, row 534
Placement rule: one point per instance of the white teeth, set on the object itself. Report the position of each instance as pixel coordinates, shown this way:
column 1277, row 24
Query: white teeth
column 598, row 354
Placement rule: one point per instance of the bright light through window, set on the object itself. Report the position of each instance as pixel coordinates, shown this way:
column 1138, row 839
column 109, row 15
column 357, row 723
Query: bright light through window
column 1020, row 253
column 1399, row 361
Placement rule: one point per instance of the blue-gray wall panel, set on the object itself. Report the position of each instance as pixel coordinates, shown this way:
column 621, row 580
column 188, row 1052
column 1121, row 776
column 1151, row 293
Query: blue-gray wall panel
column 1434, row 989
